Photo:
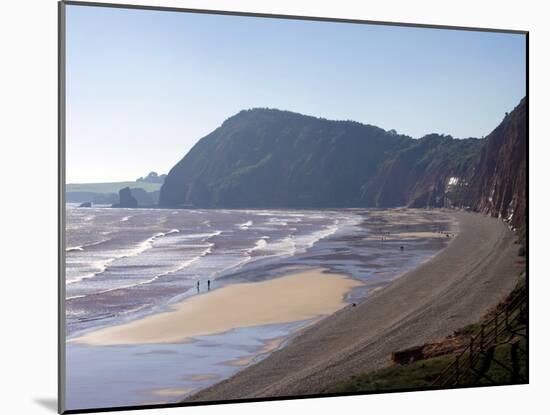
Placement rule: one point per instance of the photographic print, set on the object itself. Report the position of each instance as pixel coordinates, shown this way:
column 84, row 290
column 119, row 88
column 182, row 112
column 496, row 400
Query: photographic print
column 260, row 207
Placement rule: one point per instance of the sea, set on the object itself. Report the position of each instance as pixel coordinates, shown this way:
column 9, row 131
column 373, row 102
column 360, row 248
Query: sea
column 125, row 264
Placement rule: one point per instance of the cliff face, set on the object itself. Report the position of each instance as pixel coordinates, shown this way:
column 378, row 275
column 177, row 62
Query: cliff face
column 418, row 175
column 265, row 158
column 499, row 184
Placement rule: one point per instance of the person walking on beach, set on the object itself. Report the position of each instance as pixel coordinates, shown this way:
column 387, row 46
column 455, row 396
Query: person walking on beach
column 208, row 285
column 198, row 286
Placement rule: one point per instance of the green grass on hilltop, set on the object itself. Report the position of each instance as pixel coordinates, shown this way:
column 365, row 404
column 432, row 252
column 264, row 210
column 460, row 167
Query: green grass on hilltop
column 113, row 187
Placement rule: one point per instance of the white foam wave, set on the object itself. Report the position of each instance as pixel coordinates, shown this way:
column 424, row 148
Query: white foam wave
column 304, row 242
column 145, row 245
column 283, row 247
column 177, row 268
column 245, row 225
column 275, row 213
column 262, row 248
column 260, row 244
column 116, row 255
column 103, row 265
column 135, row 251
column 292, row 244
column 74, row 248
column 74, row 297
column 285, row 220
column 278, row 222
column 83, row 247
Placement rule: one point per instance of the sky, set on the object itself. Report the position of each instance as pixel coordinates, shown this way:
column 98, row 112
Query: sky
column 144, row 86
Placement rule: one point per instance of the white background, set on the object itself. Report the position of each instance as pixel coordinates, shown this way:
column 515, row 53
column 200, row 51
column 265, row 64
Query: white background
column 28, row 231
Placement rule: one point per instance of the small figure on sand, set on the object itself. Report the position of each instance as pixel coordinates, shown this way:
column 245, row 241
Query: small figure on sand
column 198, row 286
column 208, row 285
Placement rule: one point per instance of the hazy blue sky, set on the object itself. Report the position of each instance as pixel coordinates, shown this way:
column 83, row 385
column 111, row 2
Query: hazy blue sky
column 144, row 86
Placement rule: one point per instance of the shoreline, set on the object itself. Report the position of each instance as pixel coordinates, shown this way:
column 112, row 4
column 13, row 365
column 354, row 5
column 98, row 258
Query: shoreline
column 295, row 297
column 477, row 266
column 354, row 253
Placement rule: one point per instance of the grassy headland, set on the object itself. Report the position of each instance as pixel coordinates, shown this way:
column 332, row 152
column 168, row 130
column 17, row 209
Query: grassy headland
column 113, row 187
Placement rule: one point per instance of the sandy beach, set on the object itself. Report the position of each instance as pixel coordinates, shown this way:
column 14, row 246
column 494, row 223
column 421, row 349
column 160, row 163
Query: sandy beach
column 295, row 297
column 476, row 270
column 183, row 345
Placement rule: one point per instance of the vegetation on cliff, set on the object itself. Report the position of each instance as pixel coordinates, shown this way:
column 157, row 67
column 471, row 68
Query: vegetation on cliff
column 266, row 158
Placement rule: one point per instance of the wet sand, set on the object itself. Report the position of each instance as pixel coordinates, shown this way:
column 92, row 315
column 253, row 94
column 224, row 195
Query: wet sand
column 477, row 269
column 171, row 392
column 268, row 347
column 296, row 297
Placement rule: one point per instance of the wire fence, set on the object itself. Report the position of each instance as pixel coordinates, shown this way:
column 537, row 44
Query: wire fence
column 499, row 329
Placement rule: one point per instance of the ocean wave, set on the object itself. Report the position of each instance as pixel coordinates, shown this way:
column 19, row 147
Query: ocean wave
column 260, row 244
column 74, row 297
column 84, row 246
column 245, row 225
column 145, row 245
column 177, row 268
column 284, row 221
column 263, row 248
column 74, row 248
column 139, row 249
column 283, row 247
column 278, row 222
column 304, row 242
column 292, row 244
column 276, row 213
column 184, row 264
column 104, row 264
column 202, row 235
